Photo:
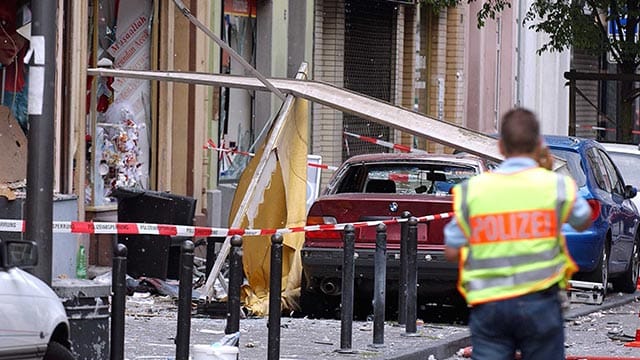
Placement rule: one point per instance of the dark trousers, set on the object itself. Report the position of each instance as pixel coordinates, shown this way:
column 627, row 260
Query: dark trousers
column 531, row 323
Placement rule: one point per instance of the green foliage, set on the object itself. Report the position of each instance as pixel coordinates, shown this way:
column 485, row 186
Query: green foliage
column 584, row 25
column 581, row 24
column 489, row 10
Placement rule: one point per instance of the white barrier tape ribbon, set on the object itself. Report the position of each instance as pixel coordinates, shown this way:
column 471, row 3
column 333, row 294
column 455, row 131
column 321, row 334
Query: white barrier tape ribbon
column 80, row 227
column 323, row 166
column 212, row 146
column 12, row 225
column 602, row 128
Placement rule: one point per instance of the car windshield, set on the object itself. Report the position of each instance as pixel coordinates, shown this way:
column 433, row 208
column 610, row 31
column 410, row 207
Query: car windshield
column 405, row 178
column 628, row 166
column 573, row 165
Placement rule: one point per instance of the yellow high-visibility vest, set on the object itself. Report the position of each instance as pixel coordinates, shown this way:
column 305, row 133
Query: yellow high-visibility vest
column 512, row 223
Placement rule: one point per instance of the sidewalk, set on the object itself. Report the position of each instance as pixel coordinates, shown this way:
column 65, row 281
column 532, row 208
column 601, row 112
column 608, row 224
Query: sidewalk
column 151, row 328
column 300, row 339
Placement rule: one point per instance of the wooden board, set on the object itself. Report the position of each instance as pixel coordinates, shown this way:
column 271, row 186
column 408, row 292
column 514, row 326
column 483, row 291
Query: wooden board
column 13, row 148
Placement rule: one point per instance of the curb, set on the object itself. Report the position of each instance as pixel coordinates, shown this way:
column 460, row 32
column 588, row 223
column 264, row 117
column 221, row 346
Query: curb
column 442, row 350
column 448, row 348
column 583, row 310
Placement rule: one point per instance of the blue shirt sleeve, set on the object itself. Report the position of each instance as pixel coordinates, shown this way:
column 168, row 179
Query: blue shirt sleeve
column 580, row 213
column 453, row 235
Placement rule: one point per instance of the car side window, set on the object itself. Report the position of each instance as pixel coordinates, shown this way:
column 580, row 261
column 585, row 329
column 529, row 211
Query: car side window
column 352, row 180
column 599, row 171
column 616, row 181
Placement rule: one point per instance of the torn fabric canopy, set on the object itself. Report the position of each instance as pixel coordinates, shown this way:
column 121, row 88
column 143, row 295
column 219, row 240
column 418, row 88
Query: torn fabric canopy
column 278, row 202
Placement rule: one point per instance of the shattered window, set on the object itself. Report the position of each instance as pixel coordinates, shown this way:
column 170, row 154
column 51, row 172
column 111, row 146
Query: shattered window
column 402, row 178
column 118, row 114
column 15, row 34
column 574, row 165
column 237, row 106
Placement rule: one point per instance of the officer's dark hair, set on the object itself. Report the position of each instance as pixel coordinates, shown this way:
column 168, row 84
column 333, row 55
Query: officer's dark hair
column 519, row 131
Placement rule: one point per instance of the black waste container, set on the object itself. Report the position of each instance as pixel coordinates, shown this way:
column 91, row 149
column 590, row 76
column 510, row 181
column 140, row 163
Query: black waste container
column 86, row 303
column 154, row 256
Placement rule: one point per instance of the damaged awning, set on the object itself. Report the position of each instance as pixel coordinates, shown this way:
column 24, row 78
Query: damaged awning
column 341, row 99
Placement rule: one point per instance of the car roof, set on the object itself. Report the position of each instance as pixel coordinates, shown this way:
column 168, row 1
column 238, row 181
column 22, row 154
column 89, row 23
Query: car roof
column 571, row 142
column 564, row 141
column 420, row 156
column 623, row 148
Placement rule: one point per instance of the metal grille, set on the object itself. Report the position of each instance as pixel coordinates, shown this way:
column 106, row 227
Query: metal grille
column 368, row 66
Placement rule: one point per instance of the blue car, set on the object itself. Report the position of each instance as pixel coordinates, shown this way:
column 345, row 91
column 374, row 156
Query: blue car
column 607, row 252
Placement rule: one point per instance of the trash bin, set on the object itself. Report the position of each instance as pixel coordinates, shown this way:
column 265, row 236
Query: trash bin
column 154, row 256
column 87, row 305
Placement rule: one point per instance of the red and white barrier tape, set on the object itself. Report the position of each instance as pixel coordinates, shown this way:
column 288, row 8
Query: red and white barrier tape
column 212, row 146
column 84, row 227
column 386, row 144
column 600, row 128
column 323, row 166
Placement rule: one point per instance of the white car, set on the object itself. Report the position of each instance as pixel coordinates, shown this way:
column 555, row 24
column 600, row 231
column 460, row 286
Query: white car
column 627, row 159
column 33, row 321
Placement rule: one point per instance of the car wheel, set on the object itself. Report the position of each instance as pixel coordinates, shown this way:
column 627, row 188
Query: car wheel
column 628, row 281
column 601, row 273
column 57, row 351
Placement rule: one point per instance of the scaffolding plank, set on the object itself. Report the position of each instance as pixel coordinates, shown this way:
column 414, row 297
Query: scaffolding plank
column 337, row 98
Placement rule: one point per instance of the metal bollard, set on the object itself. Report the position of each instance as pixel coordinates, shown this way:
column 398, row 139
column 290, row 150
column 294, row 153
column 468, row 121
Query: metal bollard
column 118, row 301
column 379, row 291
column 184, row 300
column 235, row 282
column 412, row 278
column 275, row 288
column 346, row 304
column 402, row 284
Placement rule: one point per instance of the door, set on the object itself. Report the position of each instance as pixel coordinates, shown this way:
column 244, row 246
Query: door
column 623, row 216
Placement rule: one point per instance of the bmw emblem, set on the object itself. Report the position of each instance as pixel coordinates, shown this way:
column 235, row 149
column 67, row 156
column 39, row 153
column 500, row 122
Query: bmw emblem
column 393, row 207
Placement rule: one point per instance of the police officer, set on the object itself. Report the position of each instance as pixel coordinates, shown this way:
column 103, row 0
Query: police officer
column 513, row 257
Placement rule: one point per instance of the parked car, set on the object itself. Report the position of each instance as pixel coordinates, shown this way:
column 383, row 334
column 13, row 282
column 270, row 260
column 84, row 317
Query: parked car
column 380, row 187
column 33, row 321
column 627, row 159
column 607, row 252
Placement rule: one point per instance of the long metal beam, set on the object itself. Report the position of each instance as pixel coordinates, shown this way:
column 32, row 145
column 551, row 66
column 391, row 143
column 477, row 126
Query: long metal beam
column 337, row 98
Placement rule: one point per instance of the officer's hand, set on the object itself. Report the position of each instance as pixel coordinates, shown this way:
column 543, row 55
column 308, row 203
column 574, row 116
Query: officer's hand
column 545, row 159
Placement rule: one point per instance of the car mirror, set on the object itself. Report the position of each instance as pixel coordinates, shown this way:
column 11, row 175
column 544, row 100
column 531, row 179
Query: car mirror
column 630, row 192
column 15, row 253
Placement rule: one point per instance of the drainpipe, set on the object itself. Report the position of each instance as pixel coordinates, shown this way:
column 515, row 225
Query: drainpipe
column 519, row 54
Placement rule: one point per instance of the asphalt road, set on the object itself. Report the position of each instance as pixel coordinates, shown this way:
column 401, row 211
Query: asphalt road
column 151, row 326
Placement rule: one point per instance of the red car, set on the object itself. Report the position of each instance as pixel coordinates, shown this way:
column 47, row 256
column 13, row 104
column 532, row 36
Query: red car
column 382, row 187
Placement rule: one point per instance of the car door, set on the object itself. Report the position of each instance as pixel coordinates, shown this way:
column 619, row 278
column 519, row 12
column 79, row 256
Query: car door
column 19, row 322
column 623, row 217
